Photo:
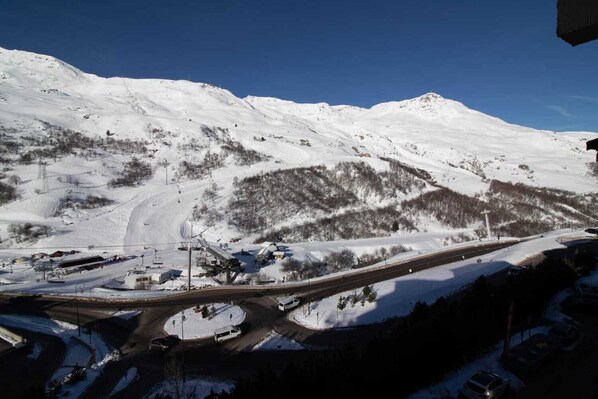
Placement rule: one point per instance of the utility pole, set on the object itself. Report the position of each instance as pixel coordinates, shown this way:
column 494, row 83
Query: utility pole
column 183, row 341
column 189, row 271
column 77, row 288
column 505, row 351
column 190, row 247
column 44, row 176
column 485, row 213
column 89, row 329
column 166, row 170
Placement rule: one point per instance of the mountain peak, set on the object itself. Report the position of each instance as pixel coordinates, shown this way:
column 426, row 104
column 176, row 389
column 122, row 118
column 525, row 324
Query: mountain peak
column 429, row 97
column 34, row 67
column 430, row 104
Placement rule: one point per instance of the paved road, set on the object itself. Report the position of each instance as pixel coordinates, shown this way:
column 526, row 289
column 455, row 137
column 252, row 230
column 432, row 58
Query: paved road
column 230, row 359
column 21, row 369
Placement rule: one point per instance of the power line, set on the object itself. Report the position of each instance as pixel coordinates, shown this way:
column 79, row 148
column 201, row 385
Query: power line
column 94, row 246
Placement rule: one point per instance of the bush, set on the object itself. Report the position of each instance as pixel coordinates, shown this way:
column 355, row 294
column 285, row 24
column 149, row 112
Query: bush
column 7, row 193
column 27, row 231
column 134, row 173
column 92, row 201
column 338, row 261
column 450, row 332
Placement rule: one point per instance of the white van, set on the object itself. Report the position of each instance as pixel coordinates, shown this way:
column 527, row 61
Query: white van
column 288, row 303
column 225, row 333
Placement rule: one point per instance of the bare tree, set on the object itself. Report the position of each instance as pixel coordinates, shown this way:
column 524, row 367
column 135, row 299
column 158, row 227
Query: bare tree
column 176, row 386
column 15, row 180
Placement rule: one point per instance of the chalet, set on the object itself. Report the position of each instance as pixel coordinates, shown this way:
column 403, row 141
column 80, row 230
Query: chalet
column 266, row 252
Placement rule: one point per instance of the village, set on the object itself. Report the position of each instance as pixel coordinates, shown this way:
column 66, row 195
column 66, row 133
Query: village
column 151, row 269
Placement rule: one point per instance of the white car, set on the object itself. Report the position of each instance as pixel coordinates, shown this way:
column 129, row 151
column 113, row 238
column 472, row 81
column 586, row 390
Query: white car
column 226, row 333
column 288, row 303
column 485, row 385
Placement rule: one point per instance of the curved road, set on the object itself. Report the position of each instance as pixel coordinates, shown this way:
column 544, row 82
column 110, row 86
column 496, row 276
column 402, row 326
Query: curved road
column 205, row 356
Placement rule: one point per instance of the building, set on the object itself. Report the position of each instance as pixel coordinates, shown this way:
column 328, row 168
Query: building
column 77, row 265
column 223, row 258
column 266, row 252
column 141, row 279
column 136, row 281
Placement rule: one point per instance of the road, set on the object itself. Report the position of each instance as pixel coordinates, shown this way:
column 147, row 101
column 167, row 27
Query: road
column 231, row 359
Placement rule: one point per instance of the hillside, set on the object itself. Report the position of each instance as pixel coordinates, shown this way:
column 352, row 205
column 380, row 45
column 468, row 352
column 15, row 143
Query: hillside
column 99, row 161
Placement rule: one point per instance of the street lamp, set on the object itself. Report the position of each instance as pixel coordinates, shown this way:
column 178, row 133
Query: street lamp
column 77, row 288
column 485, row 213
column 183, row 341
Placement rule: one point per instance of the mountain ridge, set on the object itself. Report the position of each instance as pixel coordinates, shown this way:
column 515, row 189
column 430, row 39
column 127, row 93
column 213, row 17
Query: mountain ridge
column 53, row 113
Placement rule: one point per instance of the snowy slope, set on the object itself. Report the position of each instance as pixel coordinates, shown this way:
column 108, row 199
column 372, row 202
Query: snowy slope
column 461, row 148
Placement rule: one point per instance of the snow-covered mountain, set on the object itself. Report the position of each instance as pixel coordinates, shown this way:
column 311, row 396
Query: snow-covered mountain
column 99, row 160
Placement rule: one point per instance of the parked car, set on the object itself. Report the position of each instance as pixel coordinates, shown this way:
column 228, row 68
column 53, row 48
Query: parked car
column 532, row 354
column 485, row 385
column 566, row 334
column 164, row 343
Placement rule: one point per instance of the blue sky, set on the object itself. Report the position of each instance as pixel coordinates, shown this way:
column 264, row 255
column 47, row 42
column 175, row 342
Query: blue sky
column 499, row 57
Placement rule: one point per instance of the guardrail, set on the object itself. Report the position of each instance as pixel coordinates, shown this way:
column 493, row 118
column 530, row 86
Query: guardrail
column 12, row 338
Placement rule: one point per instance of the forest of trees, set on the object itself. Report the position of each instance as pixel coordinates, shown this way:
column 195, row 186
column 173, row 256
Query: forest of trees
column 420, row 349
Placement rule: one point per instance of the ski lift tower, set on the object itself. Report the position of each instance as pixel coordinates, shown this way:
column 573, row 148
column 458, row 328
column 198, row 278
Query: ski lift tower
column 190, row 247
column 485, row 213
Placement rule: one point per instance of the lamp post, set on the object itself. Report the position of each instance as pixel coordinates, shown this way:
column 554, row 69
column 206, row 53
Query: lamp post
column 485, row 213
column 190, row 247
column 77, row 288
column 183, row 341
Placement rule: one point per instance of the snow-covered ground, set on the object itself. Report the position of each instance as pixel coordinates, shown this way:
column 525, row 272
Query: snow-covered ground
column 189, row 324
column 390, row 301
column 125, row 380
column 107, row 282
column 491, row 361
column 196, row 388
column 397, row 297
column 78, row 349
column 461, row 148
column 394, row 298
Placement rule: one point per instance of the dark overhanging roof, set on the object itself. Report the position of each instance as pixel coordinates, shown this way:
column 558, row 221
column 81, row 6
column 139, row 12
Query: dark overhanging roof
column 592, row 144
column 577, row 21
